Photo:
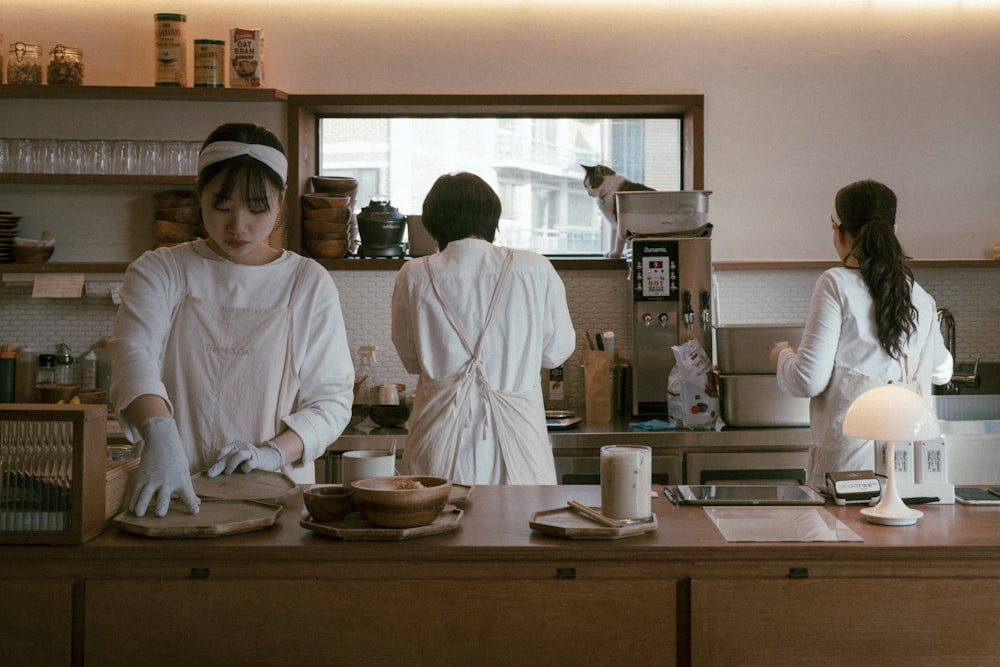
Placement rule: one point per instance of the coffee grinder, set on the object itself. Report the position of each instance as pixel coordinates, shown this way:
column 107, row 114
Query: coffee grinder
column 671, row 286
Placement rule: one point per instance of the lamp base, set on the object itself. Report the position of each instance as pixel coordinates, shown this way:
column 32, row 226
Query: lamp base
column 892, row 516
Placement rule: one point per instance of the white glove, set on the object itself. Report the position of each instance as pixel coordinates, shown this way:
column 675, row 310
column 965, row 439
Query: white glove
column 164, row 469
column 247, row 456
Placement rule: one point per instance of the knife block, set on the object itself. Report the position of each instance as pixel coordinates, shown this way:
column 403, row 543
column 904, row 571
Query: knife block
column 52, row 473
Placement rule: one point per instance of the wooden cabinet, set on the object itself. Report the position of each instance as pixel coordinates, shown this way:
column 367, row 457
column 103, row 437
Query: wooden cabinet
column 36, row 621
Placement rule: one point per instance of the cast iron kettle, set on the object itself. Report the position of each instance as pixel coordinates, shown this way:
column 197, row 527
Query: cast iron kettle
column 380, row 224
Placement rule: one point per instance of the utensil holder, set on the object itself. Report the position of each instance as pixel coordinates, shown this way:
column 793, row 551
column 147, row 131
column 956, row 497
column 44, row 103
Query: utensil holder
column 52, row 473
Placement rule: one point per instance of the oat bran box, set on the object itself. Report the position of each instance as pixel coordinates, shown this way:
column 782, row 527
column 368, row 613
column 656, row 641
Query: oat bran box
column 246, row 63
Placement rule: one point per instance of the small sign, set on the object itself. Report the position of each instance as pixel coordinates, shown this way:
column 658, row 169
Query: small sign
column 58, row 285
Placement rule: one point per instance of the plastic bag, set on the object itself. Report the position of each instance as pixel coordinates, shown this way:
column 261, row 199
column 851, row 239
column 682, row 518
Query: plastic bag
column 692, row 389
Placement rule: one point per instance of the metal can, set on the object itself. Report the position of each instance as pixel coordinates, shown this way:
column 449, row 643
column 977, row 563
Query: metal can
column 65, row 66
column 209, row 63
column 171, row 49
column 24, row 65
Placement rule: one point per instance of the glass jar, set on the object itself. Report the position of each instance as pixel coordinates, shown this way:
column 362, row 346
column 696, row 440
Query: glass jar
column 65, row 66
column 24, row 64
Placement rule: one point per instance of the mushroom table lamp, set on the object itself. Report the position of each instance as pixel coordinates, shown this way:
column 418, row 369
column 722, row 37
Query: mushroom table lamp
column 891, row 413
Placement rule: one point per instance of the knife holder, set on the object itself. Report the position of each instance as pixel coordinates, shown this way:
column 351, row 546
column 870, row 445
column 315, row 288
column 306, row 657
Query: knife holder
column 52, row 473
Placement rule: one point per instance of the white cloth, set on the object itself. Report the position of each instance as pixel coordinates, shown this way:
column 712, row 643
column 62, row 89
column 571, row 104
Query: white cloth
column 311, row 390
column 531, row 330
column 840, row 358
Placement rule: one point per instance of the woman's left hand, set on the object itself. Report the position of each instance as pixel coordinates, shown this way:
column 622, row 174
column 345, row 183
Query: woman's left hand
column 247, row 456
column 776, row 352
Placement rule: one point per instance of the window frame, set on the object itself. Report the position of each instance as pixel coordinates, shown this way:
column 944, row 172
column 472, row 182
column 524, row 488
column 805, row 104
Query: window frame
column 304, row 112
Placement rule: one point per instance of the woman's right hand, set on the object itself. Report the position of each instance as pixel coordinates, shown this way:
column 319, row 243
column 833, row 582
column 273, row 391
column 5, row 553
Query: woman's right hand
column 776, row 352
column 163, row 470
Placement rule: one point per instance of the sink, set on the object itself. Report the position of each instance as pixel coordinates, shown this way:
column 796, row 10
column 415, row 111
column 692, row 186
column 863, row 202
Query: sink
column 970, row 427
column 989, row 378
column 968, row 407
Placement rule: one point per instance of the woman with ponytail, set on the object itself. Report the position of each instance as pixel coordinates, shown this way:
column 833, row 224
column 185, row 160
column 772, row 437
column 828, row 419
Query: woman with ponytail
column 869, row 324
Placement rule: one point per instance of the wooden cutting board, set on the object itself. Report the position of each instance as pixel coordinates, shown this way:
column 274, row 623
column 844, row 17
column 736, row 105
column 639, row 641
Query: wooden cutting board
column 217, row 517
column 355, row 527
column 567, row 522
column 261, row 485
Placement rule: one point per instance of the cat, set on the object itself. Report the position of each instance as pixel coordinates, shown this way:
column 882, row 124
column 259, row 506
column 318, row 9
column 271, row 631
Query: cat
column 602, row 183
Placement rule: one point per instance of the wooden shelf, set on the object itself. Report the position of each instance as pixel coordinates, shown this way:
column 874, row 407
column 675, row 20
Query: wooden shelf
column 822, row 265
column 66, row 267
column 96, row 179
column 164, row 93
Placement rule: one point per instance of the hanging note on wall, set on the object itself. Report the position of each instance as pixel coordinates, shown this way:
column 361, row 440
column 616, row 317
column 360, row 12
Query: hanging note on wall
column 58, row 285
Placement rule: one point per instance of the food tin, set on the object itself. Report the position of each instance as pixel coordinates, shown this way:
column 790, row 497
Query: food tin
column 171, row 49
column 209, row 63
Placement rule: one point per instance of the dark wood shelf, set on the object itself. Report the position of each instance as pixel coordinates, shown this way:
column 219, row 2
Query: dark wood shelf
column 96, row 179
column 66, row 267
column 161, row 93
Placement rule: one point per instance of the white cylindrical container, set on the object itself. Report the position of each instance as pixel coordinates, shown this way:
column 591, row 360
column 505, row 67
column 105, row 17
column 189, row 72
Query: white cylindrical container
column 209, row 63
column 171, row 49
column 626, row 482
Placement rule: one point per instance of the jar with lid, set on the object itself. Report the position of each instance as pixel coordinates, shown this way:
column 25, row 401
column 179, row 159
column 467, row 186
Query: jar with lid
column 46, row 369
column 24, row 64
column 64, row 371
column 25, row 375
column 65, row 66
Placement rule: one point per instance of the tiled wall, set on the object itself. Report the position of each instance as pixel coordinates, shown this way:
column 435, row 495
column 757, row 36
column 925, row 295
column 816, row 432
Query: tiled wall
column 598, row 300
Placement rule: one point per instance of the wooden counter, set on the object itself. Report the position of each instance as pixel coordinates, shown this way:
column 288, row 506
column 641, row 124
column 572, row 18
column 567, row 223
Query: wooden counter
column 496, row 593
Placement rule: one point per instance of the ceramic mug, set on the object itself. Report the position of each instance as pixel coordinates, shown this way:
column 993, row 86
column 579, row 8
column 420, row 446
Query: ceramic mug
column 626, row 482
column 388, row 394
column 367, row 463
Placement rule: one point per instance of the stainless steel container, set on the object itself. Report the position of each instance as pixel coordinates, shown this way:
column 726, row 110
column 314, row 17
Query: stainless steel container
column 746, row 348
column 756, row 400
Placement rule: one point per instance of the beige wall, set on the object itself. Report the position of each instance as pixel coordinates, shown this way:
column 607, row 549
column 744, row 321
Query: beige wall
column 801, row 97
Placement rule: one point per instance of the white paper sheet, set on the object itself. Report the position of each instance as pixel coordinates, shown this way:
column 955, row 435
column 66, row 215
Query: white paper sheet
column 779, row 524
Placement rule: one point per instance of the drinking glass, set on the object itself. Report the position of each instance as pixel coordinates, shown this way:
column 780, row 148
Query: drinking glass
column 125, row 157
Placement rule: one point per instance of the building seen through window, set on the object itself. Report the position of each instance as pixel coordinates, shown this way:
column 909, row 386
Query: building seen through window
column 532, row 162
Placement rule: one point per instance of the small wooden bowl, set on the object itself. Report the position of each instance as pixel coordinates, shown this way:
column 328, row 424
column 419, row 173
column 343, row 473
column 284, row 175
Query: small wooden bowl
column 314, row 227
column 331, row 215
column 92, row 396
column 328, row 502
column 188, row 215
column 318, row 200
column 338, row 185
column 325, row 249
column 53, row 393
column 389, row 415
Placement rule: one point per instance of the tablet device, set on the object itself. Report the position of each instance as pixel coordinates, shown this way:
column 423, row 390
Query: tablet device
column 717, row 494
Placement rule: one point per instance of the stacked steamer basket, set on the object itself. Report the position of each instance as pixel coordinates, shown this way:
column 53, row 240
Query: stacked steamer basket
column 329, row 226
column 176, row 218
column 8, row 230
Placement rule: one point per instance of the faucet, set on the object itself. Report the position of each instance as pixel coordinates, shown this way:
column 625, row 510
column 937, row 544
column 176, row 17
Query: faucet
column 947, row 320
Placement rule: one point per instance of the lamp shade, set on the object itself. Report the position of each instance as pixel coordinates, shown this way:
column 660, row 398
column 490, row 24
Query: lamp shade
column 891, row 412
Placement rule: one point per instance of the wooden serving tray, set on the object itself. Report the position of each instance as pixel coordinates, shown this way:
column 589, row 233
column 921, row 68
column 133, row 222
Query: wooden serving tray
column 567, row 522
column 217, row 517
column 261, row 485
column 355, row 527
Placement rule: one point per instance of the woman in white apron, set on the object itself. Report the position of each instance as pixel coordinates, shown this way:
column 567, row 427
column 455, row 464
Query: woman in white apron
column 229, row 355
column 478, row 322
column 869, row 324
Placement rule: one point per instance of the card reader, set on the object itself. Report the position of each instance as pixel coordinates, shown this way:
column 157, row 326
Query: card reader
column 853, row 487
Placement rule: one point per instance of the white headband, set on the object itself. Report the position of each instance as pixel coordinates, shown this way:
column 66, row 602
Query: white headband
column 835, row 217
column 217, row 151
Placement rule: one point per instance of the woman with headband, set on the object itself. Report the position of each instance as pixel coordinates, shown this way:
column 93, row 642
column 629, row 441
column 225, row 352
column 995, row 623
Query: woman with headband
column 869, row 324
column 229, row 355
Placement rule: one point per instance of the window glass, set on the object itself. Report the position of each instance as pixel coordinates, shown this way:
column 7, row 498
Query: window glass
column 534, row 164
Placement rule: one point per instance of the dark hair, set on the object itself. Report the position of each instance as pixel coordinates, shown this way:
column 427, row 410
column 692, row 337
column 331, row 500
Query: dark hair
column 867, row 211
column 459, row 206
column 252, row 174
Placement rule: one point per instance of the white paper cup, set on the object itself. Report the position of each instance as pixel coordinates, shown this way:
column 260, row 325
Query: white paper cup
column 367, row 463
column 626, row 482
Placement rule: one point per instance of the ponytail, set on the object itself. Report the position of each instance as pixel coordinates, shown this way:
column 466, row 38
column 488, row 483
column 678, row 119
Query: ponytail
column 868, row 213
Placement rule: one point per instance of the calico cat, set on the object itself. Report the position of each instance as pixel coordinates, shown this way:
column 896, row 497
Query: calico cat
column 602, row 183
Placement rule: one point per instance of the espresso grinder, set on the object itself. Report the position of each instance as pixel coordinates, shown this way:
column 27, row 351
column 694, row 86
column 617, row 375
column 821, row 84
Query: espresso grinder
column 671, row 294
column 381, row 228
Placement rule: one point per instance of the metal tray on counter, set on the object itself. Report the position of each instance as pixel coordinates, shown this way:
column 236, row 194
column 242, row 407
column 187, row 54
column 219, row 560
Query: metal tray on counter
column 560, row 420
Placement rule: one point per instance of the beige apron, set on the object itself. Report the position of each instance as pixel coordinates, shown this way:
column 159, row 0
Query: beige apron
column 834, row 451
column 441, row 411
column 230, row 375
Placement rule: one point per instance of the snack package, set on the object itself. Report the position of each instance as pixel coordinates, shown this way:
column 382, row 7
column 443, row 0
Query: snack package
column 692, row 389
column 246, row 62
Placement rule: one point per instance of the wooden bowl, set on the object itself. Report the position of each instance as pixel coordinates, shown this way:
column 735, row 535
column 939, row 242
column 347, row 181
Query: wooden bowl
column 188, row 215
column 33, row 254
column 175, row 198
column 328, row 502
column 389, row 415
column 329, row 215
column 314, row 227
column 319, row 200
column 338, row 185
column 405, row 501
column 53, row 393
column 325, row 249
column 92, row 396
column 177, row 230
column 329, row 236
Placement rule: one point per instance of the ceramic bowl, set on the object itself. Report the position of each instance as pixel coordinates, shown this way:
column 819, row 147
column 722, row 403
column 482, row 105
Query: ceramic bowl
column 405, row 501
column 389, row 415
column 33, row 254
column 328, row 502
column 358, row 414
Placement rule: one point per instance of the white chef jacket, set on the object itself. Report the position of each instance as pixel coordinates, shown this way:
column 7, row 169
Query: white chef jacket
column 840, row 358
column 531, row 332
column 158, row 283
